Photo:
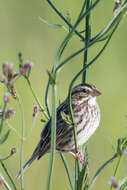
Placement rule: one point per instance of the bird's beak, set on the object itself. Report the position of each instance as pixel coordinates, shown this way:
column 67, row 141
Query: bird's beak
column 97, row 93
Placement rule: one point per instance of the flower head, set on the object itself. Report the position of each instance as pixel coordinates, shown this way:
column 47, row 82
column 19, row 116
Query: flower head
column 26, row 67
column 114, row 182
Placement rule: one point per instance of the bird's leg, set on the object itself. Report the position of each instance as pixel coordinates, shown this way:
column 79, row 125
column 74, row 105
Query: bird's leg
column 79, row 155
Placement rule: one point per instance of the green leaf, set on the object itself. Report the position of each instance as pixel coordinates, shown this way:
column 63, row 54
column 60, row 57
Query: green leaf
column 52, row 24
column 123, row 183
column 4, row 138
column 66, row 118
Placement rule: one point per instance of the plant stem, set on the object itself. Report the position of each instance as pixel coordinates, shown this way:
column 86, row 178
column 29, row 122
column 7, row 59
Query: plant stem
column 5, row 158
column 5, row 183
column 63, row 45
column 60, row 66
column 64, row 19
column 22, row 144
column 36, row 98
column 53, row 136
column 100, row 169
column 9, row 176
column 74, row 127
column 87, row 37
column 47, row 99
column 117, row 167
column 83, row 7
column 67, row 170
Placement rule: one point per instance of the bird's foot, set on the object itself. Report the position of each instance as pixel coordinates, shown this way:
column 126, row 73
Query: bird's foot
column 79, row 155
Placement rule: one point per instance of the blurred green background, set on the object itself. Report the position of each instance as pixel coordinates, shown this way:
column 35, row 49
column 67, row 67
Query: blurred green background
column 22, row 31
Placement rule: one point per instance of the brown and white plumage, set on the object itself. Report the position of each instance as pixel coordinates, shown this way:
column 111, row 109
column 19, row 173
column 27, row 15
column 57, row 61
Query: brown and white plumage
column 87, row 117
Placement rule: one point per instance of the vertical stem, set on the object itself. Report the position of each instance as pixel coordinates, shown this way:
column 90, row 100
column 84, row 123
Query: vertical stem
column 47, row 99
column 8, row 174
column 53, row 136
column 76, row 173
column 77, row 164
column 22, row 144
column 36, row 99
column 67, row 169
column 87, row 37
column 117, row 167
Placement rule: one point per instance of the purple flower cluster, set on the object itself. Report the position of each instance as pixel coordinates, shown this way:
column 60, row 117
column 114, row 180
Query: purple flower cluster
column 26, row 68
column 9, row 76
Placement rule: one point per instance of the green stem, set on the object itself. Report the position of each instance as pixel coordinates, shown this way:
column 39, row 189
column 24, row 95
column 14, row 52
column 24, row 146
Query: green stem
column 100, row 169
column 9, row 176
column 74, row 127
column 114, row 21
column 60, row 66
column 76, row 174
column 112, row 24
column 5, row 158
column 87, row 37
column 82, row 10
column 117, row 167
column 92, row 61
column 67, row 170
column 36, row 98
column 22, row 145
column 64, row 19
column 47, row 99
column 72, row 83
column 53, row 137
column 63, row 45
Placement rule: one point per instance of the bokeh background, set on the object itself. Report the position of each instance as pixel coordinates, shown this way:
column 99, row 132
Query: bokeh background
column 22, row 31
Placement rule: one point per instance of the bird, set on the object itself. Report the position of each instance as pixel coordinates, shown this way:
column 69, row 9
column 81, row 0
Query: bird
column 86, row 114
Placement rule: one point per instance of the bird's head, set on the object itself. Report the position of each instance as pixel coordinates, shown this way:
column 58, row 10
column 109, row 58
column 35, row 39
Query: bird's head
column 85, row 90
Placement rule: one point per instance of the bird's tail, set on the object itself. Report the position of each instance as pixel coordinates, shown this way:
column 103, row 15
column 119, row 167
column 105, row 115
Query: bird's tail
column 29, row 162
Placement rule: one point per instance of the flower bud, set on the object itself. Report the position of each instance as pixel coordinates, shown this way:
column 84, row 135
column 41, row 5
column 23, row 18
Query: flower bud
column 36, row 109
column 24, row 69
column 10, row 70
column 5, row 68
column 1, row 181
column 13, row 150
column 6, row 98
column 114, row 182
